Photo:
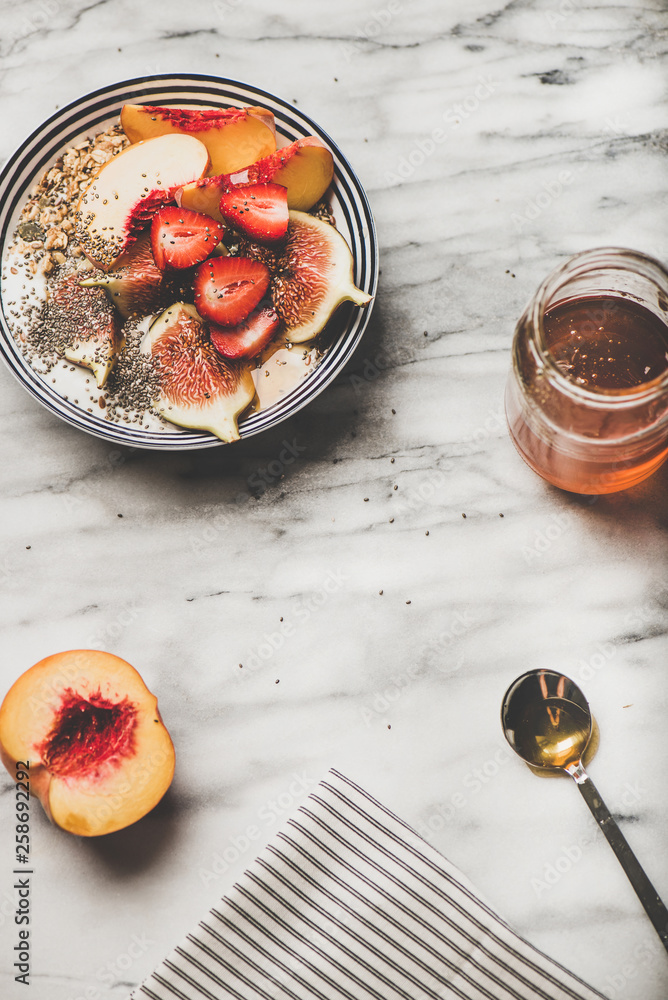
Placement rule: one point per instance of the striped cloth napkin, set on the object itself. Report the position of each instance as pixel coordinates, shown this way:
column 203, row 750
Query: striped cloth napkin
column 349, row 902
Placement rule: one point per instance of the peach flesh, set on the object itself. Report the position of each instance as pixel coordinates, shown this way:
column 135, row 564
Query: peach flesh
column 129, row 188
column 86, row 733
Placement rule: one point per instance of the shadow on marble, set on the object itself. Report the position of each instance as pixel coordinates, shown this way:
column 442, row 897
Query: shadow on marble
column 140, row 846
column 630, row 508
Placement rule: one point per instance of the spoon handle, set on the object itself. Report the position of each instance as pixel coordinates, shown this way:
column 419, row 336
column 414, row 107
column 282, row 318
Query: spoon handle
column 645, row 891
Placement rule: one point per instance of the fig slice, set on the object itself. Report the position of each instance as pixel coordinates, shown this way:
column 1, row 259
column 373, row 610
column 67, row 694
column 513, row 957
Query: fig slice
column 100, row 756
column 88, row 325
column 137, row 286
column 314, row 275
column 198, row 388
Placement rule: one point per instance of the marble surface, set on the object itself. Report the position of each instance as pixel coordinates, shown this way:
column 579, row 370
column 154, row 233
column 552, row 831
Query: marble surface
column 494, row 140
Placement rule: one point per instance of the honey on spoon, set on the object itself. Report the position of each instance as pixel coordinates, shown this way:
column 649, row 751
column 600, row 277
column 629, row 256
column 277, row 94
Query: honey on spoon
column 547, row 722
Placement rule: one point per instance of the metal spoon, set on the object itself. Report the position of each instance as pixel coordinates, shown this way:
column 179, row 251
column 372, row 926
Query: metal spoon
column 547, row 721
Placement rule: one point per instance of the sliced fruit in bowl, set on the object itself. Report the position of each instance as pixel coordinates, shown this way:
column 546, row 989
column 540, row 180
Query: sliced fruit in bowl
column 234, row 137
column 115, row 213
column 137, row 285
column 99, row 754
column 88, row 324
column 248, row 338
column 257, row 210
column 196, row 386
column 180, row 238
column 314, row 276
column 227, row 289
column 304, row 167
column 128, row 190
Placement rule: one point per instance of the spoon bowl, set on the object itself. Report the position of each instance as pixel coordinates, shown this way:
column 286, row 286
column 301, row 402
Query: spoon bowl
column 546, row 719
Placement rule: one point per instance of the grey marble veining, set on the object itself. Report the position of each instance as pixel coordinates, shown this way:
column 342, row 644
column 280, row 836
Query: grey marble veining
column 493, row 141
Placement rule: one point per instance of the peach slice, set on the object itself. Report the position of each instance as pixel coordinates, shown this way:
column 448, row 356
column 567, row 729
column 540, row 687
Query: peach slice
column 204, row 195
column 305, row 168
column 130, row 188
column 100, row 756
column 233, row 136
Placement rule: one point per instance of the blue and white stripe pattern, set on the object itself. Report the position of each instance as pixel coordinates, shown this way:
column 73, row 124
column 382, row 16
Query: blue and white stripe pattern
column 99, row 110
column 349, row 903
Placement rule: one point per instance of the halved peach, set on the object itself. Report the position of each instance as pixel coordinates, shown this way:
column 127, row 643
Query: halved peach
column 233, row 136
column 99, row 754
column 128, row 189
column 305, row 168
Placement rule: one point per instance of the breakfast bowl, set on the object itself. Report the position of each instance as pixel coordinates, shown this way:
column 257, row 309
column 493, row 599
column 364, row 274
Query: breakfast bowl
column 285, row 378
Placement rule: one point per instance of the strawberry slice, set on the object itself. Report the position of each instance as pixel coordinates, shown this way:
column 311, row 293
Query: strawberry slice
column 248, row 338
column 257, row 210
column 181, row 238
column 227, row 289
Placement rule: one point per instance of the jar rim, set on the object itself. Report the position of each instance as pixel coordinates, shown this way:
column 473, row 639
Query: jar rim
column 611, row 257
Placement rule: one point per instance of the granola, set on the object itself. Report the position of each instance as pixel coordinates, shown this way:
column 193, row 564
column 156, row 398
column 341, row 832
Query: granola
column 46, row 227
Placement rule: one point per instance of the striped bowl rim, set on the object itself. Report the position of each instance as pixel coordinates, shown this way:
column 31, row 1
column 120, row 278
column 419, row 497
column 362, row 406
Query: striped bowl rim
column 98, row 110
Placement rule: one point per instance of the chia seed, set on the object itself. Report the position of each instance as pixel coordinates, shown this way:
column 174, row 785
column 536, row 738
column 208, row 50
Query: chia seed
column 133, row 382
